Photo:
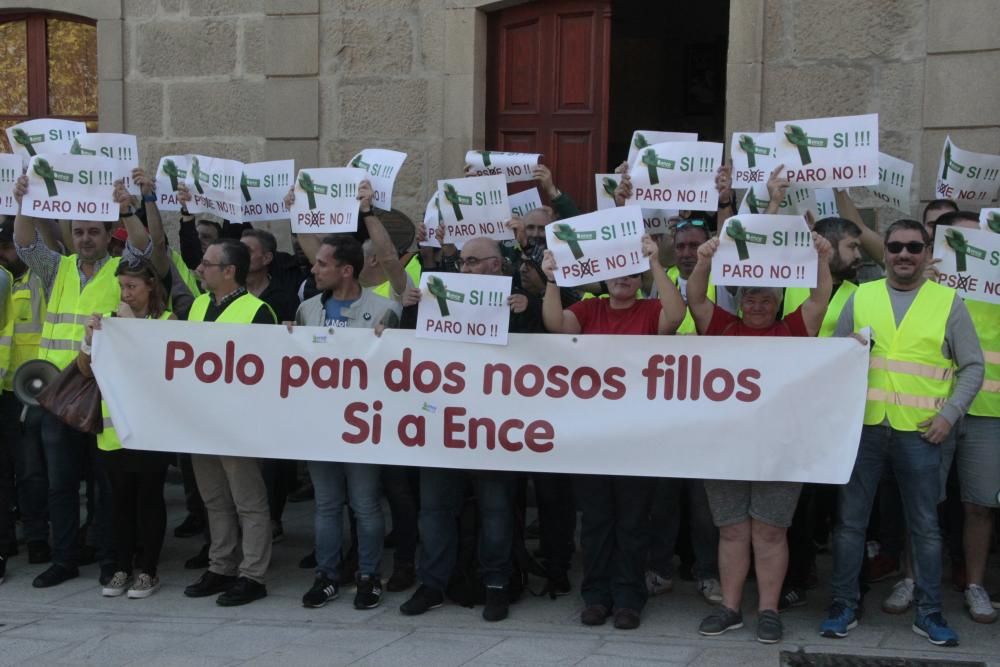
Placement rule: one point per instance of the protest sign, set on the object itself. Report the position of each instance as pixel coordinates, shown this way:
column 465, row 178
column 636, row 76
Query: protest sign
column 835, row 152
column 967, row 177
column 548, row 403
column 894, row 178
column 657, row 220
column 681, row 174
column 464, row 307
column 522, row 203
column 646, row 138
column 326, row 200
column 10, row 171
column 515, row 167
column 70, row 187
column 824, row 203
column 754, row 156
column 215, row 185
column 121, row 147
column 989, row 219
column 263, row 186
column 43, row 135
column 597, row 246
column 171, row 172
column 797, row 201
column 432, row 220
column 970, row 262
column 382, row 166
column 604, row 186
column 473, row 207
column 765, row 251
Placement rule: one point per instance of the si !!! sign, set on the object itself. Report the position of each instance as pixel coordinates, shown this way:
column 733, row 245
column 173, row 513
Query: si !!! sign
column 522, row 203
column 765, row 251
column 754, row 155
column 120, row 147
column 970, row 262
column 464, row 307
column 10, row 170
column 43, row 135
column 70, row 187
column 326, row 200
column 171, row 172
column 215, row 185
column 263, row 186
column 382, row 167
column 679, row 174
column 967, row 177
column 894, row 178
column 472, row 207
column 834, row 152
column 645, row 138
column 597, row 246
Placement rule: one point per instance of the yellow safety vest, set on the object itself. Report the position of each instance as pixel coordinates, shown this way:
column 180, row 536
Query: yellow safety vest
column 186, row 275
column 22, row 325
column 240, row 311
column 687, row 327
column 69, row 307
column 986, row 318
column 107, row 439
column 413, row 269
column 796, row 296
column 909, row 378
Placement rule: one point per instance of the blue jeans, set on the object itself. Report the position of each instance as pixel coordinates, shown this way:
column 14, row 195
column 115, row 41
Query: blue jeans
column 916, row 464
column 442, row 492
column 334, row 484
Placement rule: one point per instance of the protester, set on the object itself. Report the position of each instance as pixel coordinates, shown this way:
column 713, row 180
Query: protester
column 137, row 476
column 754, row 514
column 926, row 368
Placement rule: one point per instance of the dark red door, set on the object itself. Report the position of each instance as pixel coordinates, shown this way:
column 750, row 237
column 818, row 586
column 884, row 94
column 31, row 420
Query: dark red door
column 547, row 88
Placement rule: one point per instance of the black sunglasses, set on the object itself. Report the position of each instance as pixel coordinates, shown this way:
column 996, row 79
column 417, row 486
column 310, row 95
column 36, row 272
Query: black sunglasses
column 913, row 247
column 684, row 223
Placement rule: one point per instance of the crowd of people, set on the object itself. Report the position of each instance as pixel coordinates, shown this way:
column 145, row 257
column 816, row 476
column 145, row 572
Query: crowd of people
column 927, row 471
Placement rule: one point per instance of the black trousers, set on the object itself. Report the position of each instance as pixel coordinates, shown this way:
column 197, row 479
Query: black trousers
column 140, row 513
column 556, row 520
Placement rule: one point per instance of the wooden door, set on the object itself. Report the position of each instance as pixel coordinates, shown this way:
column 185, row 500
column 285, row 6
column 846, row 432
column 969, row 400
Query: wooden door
column 547, row 88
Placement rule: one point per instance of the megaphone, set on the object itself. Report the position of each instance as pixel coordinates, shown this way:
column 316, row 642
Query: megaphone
column 31, row 378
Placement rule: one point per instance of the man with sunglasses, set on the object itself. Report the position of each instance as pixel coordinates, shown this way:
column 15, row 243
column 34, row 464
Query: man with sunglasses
column 926, row 368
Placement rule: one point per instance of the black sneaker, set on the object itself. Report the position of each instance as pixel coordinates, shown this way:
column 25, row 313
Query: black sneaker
column 244, row 591
column 403, row 576
column 108, row 571
column 792, row 597
column 719, row 621
column 39, row 552
column 497, row 603
column 558, row 585
column 209, row 583
column 423, row 600
column 55, row 575
column 308, row 561
column 323, row 590
column 191, row 525
column 369, row 591
column 199, row 561
column 769, row 628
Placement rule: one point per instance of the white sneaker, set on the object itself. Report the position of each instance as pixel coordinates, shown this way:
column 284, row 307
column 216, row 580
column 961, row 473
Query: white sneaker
column 118, row 585
column 900, row 599
column 711, row 590
column 143, row 587
column 657, row 583
column 977, row 600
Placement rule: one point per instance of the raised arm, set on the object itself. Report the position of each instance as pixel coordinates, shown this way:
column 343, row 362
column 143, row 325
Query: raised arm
column 555, row 318
column 814, row 308
column 673, row 309
column 776, row 188
column 697, row 286
column 727, row 197
column 308, row 242
column 138, row 237
column 871, row 242
column 385, row 251
column 161, row 253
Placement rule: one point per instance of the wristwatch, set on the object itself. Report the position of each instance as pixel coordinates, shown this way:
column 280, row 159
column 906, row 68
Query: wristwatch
column 130, row 213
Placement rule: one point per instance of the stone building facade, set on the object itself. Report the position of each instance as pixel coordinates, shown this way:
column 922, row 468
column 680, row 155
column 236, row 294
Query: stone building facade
column 315, row 80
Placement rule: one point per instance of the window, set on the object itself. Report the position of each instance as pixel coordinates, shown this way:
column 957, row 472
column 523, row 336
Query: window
column 48, row 67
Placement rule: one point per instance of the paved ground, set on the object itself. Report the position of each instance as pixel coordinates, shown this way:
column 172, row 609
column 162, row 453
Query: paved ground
column 73, row 624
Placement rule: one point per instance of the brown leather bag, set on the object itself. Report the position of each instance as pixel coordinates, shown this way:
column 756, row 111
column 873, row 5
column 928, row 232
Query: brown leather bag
column 75, row 399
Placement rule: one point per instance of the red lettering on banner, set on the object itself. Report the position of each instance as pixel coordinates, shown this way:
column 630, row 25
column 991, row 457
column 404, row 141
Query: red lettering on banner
column 364, row 430
column 398, row 376
column 174, row 361
column 682, row 378
column 530, row 380
column 483, row 431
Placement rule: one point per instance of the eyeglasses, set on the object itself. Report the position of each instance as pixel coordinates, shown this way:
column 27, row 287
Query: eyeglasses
column 695, row 223
column 913, row 247
column 473, row 262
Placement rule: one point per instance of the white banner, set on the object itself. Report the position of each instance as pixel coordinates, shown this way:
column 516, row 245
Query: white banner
column 894, row 179
column 514, row 167
column 967, row 177
column 681, row 174
column 597, row 246
column 70, row 187
column 646, row 138
column 604, row 186
column 432, row 220
column 765, row 251
column 754, row 156
column 473, row 207
column 214, row 184
column 121, row 147
column 464, row 307
column 970, row 262
column 263, row 187
column 382, row 166
column 835, row 152
column 679, row 406
column 989, row 219
column 43, row 135
column 10, row 170
column 522, row 203
column 326, row 200
column 171, row 172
